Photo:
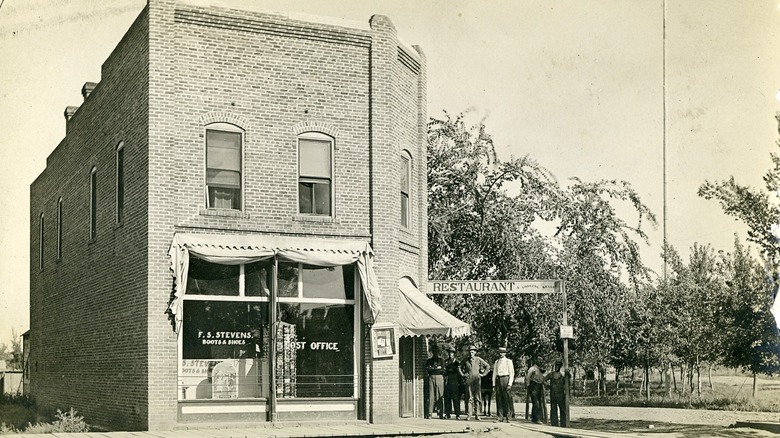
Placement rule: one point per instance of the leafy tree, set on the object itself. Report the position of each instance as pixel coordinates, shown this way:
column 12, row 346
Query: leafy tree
column 751, row 342
column 484, row 217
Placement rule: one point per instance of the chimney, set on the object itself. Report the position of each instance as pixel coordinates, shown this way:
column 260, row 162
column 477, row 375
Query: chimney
column 87, row 89
column 69, row 111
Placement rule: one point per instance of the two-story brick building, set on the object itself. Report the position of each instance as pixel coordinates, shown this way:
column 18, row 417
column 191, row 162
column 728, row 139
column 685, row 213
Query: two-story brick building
column 236, row 210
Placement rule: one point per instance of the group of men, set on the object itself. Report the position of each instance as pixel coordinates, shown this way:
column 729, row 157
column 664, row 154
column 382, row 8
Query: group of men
column 445, row 377
column 450, row 378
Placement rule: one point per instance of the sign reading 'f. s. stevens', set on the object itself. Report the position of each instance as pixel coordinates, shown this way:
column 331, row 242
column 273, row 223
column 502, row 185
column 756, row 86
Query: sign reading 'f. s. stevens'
column 494, row 286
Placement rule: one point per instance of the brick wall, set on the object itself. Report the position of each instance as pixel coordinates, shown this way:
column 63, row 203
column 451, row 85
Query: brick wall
column 88, row 310
column 273, row 77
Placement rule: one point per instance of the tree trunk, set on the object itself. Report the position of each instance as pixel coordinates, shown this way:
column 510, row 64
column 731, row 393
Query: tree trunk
column 597, row 380
column 709, row 377
column 674, row 379
column 647, row 384
column 755, row 384
column 617, row 381
column 698, row 377
column 667, row 380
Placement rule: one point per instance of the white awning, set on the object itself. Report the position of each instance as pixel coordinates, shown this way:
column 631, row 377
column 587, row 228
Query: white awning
column 419, row 315
column 232, row 249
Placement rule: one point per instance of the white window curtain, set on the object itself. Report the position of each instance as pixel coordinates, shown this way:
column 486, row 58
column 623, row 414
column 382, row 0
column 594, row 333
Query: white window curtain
column 235, row 250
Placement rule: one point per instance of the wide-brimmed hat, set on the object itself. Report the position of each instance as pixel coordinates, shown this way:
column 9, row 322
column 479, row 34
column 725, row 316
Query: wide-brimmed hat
column 473, row 347
column 451, row 348
column 502, row 349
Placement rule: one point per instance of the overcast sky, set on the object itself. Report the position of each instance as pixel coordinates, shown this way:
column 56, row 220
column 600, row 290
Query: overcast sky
column 576, row 84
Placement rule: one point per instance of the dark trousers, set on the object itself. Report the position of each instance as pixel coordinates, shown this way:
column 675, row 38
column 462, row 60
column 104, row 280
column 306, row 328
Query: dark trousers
column 535, row 391
column 436, row 395
column 473, row 394
column 503, row 399
column 452, row 396
column 556, row 405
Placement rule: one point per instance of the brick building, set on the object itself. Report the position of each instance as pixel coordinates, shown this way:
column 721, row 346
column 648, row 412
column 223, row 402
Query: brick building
column 234, row 226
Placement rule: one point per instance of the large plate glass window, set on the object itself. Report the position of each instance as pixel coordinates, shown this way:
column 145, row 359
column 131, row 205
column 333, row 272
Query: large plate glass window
column 225, row 331
column 316, row 332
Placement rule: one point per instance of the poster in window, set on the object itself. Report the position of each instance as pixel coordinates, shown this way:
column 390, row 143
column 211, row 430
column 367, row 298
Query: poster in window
column 383, row 342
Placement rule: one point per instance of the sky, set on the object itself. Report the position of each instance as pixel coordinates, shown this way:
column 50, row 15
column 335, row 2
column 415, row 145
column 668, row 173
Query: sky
column 582, row 86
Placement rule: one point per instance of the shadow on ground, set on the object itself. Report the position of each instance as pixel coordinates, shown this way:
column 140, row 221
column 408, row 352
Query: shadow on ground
column 686, row 430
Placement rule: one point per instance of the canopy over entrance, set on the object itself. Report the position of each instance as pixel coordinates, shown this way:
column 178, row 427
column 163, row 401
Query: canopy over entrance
column 421, row 316
column 235, row 249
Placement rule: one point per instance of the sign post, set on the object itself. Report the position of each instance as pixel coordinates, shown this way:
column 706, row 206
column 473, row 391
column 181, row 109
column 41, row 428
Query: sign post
column 516, row 287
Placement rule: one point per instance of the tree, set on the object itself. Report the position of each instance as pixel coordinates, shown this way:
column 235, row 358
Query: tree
column 759, row 211
column 752, row 342
column 484, row 217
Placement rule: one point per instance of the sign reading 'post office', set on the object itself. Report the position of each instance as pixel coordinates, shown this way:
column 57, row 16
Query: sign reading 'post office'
column 494, row 286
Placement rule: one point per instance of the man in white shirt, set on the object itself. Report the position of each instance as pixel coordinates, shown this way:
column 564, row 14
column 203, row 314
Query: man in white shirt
column 503, row 377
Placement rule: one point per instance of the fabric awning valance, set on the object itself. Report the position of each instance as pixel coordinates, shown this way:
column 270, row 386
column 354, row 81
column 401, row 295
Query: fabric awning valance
column 234, row 249
column 419, row 315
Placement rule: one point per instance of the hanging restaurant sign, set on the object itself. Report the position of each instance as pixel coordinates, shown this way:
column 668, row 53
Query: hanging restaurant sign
column 494, row 286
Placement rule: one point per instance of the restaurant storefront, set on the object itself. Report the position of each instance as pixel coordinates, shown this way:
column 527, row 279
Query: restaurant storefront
column 270, row 327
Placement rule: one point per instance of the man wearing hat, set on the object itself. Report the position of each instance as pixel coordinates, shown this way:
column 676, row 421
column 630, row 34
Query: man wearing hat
column 503, row 377
column 435, row 368
column 452, row 384
column 474, row 368
column 557, row 378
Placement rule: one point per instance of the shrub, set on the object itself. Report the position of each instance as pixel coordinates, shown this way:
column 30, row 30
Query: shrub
column 66, row 422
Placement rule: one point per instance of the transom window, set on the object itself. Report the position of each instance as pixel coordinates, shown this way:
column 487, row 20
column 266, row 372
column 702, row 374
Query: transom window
column 315, row 173
column 223, row 166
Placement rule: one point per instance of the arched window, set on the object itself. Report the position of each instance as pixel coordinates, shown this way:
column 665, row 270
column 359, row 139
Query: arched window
column 224, row 182
column 59, row 229
column 93, row 204
column 315, row 174
column 406, row 187
column 120, row 183
column 40, row 242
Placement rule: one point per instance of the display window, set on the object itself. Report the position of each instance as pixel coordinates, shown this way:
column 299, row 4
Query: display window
column 228, row 345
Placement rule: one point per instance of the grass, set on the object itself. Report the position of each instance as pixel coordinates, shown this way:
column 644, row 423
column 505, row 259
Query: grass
column 731, row 391
column 19, row 414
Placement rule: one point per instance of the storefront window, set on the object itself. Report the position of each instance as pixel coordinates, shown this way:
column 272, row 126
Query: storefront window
column 226, row 333
column 316, row 358
column 224, row 350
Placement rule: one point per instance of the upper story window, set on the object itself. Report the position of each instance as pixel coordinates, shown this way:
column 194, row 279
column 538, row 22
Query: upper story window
column 59, row 229
column 93, row 204
column 40, row 242
column 120, row 183
column 406, row 184
column 223, row 166
column 315, row 173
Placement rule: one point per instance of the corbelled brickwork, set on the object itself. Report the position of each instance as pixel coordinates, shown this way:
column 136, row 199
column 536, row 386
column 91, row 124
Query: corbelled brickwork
column 179, row 69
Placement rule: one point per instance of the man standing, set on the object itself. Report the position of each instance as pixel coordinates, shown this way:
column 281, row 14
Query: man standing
column 452, row 384
column 474, row 368
column 435, row 368
column 503, row 377
column 557, row 378
column 534, row 383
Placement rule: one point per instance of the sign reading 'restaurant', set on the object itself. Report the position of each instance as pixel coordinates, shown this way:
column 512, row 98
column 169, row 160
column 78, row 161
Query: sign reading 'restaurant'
column 494, row 286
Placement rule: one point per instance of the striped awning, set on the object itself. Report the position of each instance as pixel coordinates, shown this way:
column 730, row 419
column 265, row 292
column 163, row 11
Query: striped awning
column 236, row 249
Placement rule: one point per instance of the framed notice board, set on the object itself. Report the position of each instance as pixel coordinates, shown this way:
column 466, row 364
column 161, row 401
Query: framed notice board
column 383, row 340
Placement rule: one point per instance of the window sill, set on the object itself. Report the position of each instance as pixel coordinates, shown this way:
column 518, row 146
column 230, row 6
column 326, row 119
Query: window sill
column 218, row 212
column 314, row 218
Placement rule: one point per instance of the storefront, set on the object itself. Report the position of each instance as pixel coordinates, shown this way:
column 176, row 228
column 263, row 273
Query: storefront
column 270, row 327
